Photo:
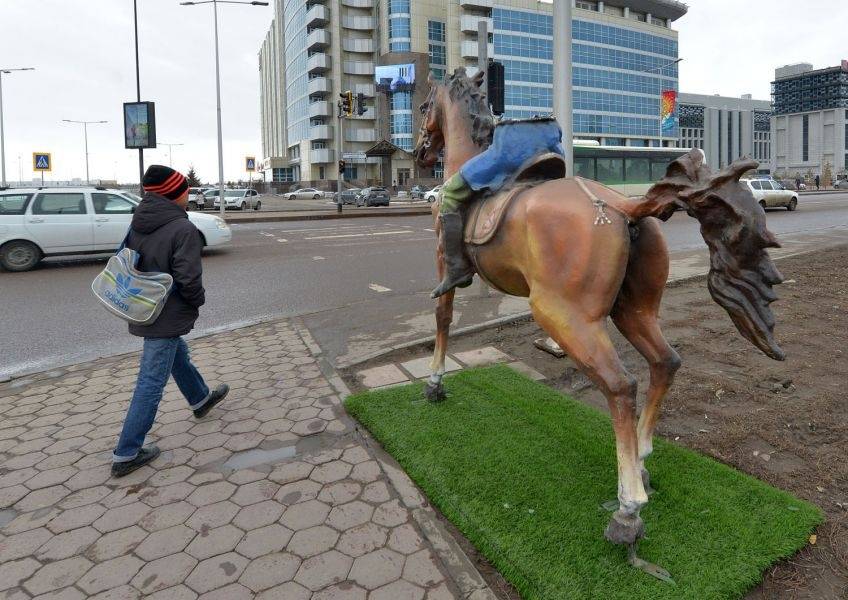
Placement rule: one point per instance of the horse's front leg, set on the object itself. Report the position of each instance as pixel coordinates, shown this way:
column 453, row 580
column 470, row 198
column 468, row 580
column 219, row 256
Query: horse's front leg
column 435, row 391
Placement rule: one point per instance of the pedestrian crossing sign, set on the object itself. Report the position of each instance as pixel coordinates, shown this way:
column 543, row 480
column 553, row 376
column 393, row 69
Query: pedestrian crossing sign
column 250, row 164
column 41, row 162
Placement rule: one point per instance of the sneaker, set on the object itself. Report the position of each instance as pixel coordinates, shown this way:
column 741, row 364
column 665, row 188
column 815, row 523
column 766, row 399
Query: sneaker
column 218, row 394
column 144, row 456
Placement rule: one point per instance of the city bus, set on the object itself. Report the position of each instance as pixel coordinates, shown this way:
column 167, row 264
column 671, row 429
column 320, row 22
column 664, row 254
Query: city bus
column 630, row 170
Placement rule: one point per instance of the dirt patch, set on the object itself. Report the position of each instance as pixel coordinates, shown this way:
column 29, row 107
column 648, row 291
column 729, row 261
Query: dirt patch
column 783, row 422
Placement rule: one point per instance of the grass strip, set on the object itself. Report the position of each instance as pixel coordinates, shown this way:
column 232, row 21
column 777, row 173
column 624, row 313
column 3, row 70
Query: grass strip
column 522, row 470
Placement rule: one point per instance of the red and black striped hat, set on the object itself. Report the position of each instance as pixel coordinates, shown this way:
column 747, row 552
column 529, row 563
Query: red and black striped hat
column 164, row 181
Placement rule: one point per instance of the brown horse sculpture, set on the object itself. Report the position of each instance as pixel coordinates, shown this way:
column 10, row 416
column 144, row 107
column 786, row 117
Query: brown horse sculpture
column 582, row 252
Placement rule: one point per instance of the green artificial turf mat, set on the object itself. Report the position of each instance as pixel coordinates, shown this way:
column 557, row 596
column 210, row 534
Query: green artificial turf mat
column 522, row 470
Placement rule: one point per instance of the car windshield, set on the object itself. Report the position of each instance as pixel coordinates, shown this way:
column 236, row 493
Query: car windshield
column 211, row 193
column 134, row 197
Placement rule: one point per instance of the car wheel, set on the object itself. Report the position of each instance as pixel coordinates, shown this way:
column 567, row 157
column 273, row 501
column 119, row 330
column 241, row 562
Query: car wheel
column 291, row 197
column 258, row 205
column 793, row 204
column 316, row 196
column 192, row 205
column 763, row 204
column 19, row 255
column 241, row 206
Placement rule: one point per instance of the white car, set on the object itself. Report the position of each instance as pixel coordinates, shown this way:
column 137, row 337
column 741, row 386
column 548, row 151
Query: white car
column 770, row 193
column 433, row 194
column 37, row 223
column 196, row 200
column 304, row 194
column 240, row 199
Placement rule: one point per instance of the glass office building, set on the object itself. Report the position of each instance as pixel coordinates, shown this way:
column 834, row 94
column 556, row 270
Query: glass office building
column 619, row 71
column 624, row 55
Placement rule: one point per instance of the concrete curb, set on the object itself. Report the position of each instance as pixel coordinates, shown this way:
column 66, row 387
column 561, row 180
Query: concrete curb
column 456, row 563
column 506, row 320
column 325, row 216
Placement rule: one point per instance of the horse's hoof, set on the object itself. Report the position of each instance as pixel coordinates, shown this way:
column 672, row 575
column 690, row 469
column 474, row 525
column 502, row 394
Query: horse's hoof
column 624, row 529
column 646, row 482
column 435, row 392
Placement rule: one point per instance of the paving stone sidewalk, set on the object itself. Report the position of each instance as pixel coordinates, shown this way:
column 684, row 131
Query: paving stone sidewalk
column 274, row 495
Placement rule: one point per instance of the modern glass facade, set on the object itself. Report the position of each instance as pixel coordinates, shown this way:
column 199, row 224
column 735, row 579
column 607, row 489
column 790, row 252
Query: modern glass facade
column 400, row 120
column 436, row 48
column 618, row 74
column 400, row 26
column 297, row 93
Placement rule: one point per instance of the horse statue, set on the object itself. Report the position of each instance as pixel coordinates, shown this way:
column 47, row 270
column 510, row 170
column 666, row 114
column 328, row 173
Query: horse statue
column 582, row 252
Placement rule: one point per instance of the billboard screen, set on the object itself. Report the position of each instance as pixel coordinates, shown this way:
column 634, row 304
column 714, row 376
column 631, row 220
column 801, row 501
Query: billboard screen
column 394, row 78
column 139, row 125
column 668, row 110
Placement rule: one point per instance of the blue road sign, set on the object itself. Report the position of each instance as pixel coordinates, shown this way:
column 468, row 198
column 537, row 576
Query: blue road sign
column 41, row 161
column 250, row 163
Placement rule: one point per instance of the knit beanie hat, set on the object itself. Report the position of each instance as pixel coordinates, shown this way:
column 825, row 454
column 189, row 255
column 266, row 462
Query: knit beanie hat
column 164, row 181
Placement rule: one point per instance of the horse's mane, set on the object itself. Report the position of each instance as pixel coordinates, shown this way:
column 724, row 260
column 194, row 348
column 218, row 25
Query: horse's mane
column 460, row 87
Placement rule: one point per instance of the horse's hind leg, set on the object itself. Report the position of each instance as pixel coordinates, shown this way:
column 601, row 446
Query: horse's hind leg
column 636, row 315
column 586, row 341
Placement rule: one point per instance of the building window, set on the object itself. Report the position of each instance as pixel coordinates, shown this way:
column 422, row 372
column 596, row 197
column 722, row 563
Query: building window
column 400, row 47
column 351, row 172
column 294, row 152
column 587, row 5
column 805, row 139
column 321, row 172
column 317, row 145
column 436, row 31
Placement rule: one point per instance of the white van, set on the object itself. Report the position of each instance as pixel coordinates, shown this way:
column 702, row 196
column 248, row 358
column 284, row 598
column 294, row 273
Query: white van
column 39, row 222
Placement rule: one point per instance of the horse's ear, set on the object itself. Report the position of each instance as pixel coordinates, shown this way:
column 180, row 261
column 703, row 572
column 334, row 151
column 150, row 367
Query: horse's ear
column 430, row 79
column 478, row 78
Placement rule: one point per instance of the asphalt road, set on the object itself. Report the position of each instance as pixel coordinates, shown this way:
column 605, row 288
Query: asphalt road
column 357, row 284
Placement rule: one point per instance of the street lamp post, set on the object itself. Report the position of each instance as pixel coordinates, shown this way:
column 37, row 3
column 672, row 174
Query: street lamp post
column 2, row 134
column 170, row 151
column 563, row 109
column 214, row 4
column 659, row 69
column 85, row 125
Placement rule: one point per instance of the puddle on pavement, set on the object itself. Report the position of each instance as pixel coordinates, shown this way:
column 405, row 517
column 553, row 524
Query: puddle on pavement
column 252, row 458
column 270, row 455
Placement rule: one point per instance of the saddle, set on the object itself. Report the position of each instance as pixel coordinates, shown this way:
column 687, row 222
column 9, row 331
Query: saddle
column 484, row 215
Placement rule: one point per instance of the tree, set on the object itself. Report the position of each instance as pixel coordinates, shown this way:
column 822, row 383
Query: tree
column 827, row 174
column 193, row 179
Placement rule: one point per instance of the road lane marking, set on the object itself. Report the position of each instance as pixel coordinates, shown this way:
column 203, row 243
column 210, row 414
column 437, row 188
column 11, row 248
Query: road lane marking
column 318, row 258
column 432, row 230
column 351, row 235
column 282, row 240
column 379, row 288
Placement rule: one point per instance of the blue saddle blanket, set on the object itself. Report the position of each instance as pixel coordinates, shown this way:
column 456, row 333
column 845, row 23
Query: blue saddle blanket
column 515, row 142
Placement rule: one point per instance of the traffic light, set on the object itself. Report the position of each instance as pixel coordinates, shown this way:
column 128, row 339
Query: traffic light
column 347, row 103
column 360, row 104
column 341, row 166
column 495, row 83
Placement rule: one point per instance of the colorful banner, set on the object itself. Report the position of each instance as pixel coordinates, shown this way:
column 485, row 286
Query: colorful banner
column 668, row 110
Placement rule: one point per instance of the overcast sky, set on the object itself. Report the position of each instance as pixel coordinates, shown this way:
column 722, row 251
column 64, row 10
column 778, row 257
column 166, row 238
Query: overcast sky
column 84, row 56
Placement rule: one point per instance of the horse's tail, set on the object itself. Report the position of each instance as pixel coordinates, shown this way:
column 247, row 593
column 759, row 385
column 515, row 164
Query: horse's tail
column 734, row 227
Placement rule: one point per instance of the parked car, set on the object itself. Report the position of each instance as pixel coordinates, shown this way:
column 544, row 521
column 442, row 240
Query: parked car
column 305, row 194
column 433, row 195
column 239, row 199
column 417, row 192
column 841, row 184
column 373, row 196
column 37, row 223
column 196, row 200
column 770, row 193
column 349, row 196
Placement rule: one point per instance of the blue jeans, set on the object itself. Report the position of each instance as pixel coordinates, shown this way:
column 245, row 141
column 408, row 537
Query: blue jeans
column 160, row 358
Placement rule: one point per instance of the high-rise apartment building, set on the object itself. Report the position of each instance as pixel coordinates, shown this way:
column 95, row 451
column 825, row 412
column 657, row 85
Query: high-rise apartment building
column 624, row 57
column 726, row 128
column 810, row 121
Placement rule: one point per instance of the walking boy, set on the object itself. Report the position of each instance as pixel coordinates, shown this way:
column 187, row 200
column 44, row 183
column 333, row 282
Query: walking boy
column 167, row 243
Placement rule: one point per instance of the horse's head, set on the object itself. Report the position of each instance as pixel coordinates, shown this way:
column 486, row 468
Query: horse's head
column 733, row 225
column 461, row 93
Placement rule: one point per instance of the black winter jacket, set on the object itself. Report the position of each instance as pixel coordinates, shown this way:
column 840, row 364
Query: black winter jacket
column 169, row 243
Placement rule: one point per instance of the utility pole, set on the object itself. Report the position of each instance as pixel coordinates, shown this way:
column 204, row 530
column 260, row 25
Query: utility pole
column 563, row 109
column 138, row 98
column 170, row 151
